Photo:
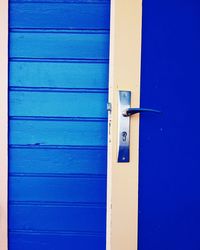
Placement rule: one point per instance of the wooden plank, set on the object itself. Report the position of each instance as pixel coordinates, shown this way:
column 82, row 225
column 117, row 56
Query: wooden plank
column 60, row 16
column 4, row 122
column 125, row 54
column 58, row 104
column 74, row 133
column 37, row 240
column 57, row 217
column 71, row 45
column 61, row 1
column 62, row 189
column 69, row 160
column 59, row 74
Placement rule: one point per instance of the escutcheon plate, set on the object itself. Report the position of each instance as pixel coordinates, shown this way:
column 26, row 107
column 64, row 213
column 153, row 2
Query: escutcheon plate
column 124, row 103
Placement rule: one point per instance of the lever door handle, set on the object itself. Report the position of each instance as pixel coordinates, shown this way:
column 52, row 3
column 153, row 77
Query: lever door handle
column 133, row 111
column 124, row 113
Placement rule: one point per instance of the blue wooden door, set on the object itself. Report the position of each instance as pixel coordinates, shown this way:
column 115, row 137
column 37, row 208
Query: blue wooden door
column 169, row 191
column 58, row 84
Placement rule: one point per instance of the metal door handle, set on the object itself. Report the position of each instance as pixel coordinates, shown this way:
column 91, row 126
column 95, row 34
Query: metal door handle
column 133, row 111
column 124, row 113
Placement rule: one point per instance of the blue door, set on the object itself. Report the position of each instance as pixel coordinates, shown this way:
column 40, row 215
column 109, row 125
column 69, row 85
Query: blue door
column 169, row 190
column 58, row 86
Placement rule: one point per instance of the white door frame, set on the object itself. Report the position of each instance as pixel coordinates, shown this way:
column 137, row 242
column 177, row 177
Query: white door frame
column 3, row 123
column 122, row 184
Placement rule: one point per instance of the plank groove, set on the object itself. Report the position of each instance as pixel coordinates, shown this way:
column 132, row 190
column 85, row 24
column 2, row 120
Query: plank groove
column 58, row 204
column 58, row 118
column 58, row 60
column 58, row 90
column 57, row 31
column 57, row 147
column 60, row 175
column 57, row 232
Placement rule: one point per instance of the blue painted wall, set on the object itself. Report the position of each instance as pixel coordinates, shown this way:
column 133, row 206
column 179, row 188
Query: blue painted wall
column 169, row 197
column 58, row 86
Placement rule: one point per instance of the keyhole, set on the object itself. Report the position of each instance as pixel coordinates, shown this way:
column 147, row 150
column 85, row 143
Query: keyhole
column 124, row 135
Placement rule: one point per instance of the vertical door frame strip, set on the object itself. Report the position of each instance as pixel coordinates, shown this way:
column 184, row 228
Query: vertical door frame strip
column 3, row 124
column 124, row 74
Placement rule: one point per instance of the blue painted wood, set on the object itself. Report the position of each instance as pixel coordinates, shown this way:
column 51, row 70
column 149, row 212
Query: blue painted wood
column 62, row 217
column 61, row 1
column 58, row 104
column 66, row 44
column 58, row 83
column 60, row 15
column 56, row 240
column 64, row 160
column 58, row 188
column 169, row 198
column 59, row 74
column 74, row 133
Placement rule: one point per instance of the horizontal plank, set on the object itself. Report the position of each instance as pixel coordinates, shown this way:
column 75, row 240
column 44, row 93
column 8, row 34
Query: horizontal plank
column 59, row 45
column 54, row 15
column 59, row 161
column 77, row 133
column 57, row 189
column 19, row 240
column 62, row 104
column 61, row 1
column 67, row 218
column 59, row 74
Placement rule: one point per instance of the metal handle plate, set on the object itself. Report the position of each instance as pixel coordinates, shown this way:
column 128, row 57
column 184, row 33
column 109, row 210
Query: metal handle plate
column 124, row 103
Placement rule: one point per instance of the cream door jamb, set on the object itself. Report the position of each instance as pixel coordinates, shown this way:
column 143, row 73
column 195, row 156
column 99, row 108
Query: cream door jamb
column 124, row 74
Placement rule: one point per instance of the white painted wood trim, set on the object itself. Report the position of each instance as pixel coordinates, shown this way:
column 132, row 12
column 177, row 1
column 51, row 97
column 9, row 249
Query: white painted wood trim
column 124, row 74
column 3, row 123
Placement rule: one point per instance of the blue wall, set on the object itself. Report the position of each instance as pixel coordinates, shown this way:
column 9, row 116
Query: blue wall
column 58, row 93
